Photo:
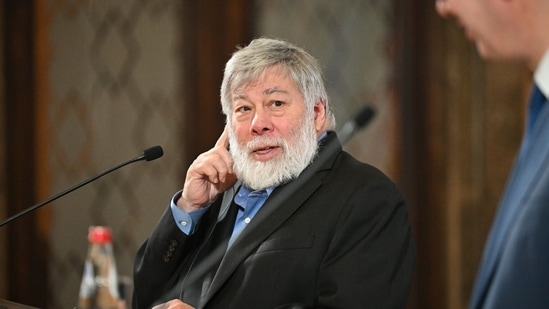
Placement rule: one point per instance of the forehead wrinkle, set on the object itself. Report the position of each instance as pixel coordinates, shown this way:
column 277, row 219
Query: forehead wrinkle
column 240, row 96
column 274, row 90
column 268, row 91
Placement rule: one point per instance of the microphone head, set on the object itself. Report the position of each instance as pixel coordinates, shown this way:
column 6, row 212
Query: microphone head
column 359, row 121
column 153, row 153
column 364, row 116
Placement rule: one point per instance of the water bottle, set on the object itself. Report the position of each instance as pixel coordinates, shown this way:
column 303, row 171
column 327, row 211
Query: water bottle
column 99, row 286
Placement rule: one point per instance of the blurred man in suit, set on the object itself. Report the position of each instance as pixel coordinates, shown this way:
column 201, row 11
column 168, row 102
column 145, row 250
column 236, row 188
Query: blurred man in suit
column 514, row 272
column 276, row 215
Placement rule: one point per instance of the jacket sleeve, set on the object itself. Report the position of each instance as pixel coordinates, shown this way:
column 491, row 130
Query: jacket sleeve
column 157, row 260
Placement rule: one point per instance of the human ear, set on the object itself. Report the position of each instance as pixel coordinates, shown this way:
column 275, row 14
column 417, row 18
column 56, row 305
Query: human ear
column 320, row 115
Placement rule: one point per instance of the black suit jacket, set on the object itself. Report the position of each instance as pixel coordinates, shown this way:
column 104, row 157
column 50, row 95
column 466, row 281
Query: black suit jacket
column 338, row 236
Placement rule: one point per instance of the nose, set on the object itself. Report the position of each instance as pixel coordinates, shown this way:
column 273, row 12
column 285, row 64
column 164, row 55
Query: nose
column 443, row 7
column 261, row 122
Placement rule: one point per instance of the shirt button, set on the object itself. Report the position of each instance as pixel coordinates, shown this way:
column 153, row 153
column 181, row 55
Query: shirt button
column 247, row 220
column 184, row 223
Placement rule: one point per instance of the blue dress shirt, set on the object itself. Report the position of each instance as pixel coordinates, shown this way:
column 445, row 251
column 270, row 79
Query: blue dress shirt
column 249, row 201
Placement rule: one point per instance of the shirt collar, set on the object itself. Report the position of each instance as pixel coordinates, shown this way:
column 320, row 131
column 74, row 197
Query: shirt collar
column 323, row 135
column 245, row 191
column 541, row 75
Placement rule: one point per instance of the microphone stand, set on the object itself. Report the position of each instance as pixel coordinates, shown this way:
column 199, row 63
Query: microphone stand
column 148, row 155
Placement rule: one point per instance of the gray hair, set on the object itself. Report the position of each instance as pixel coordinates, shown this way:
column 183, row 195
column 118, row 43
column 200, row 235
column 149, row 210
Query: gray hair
column 247, row 64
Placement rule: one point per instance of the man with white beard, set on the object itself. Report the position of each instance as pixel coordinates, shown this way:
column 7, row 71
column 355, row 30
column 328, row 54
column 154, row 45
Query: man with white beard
column 276, row 215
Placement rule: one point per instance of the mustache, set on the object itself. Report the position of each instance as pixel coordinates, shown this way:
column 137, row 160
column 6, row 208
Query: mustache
column 261, row 142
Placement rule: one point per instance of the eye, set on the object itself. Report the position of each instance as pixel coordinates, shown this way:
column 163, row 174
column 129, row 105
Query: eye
column 277, row 103
column 242, row 109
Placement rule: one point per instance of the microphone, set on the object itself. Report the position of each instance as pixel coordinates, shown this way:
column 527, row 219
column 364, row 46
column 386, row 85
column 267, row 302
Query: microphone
column 359, row 121
column 148, row 154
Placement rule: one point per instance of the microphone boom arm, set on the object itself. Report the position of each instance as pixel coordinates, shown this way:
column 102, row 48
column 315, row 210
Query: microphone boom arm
column 148, row 155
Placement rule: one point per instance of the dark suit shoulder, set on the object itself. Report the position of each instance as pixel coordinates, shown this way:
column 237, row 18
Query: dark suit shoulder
column 360, row 174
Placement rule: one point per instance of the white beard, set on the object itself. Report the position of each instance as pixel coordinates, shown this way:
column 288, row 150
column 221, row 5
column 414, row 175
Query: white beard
column 297, row 154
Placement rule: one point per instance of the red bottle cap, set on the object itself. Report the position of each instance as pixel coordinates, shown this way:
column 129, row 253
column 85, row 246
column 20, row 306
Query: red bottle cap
column 99, row 235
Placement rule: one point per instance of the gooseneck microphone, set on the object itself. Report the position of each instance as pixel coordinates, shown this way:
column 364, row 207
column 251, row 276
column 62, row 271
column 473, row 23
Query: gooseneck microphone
column 148, row 154
column 353, row 125
column 359, row 121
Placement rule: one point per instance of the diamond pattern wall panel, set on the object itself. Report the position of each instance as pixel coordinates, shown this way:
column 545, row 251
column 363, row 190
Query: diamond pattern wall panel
column 113, row 84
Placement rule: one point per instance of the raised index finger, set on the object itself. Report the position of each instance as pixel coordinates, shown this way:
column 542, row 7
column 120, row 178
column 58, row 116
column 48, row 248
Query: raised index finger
column 223, row 140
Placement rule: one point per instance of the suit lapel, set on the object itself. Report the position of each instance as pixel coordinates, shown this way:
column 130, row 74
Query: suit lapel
column 528, row 167
column 228, row 197
column 536, row 153
column 283, row 202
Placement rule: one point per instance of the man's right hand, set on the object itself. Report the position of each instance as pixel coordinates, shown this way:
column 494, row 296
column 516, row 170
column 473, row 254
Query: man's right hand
column 208, row 176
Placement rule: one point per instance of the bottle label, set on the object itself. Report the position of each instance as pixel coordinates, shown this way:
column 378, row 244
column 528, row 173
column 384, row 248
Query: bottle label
column 88, row 286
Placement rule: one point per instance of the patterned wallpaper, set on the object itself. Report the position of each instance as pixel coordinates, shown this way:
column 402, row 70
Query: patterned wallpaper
column 114, row 74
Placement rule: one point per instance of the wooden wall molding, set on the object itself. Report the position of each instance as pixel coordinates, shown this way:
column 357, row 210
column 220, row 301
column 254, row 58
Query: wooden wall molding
column 212, row 29
column 27, row 246
column 462, row 123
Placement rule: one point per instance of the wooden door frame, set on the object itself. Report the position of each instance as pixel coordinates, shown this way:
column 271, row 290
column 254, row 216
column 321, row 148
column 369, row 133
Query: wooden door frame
column 27, row 241
column 211, row 29
column 460, row 114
